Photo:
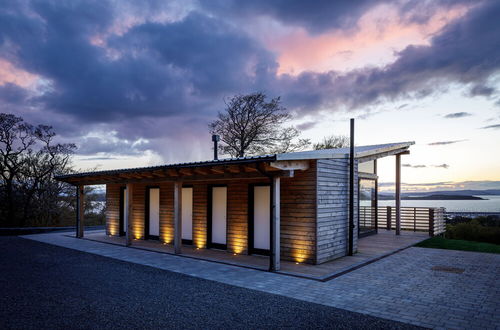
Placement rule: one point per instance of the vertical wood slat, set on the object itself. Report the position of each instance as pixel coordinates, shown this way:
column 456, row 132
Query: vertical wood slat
column 274, row 260
column 178, row 217
column 80, row 209
column 130, row 204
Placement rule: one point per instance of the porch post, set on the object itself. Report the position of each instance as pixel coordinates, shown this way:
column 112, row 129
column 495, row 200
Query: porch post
column 128, row 235
column 398, row 194
column 178, row 217
column 275, row 256
column 79, row 211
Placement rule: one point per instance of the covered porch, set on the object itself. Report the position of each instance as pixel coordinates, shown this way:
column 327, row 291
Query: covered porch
column 370, row 249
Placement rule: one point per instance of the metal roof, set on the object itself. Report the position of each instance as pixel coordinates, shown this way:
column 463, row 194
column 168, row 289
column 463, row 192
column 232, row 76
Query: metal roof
column 361, row 151
column 226, row 161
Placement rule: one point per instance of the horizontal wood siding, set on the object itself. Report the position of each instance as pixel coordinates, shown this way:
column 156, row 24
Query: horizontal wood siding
column 200, row 215
column 167, row 212
column 298, row 213
column 138, row 210
column 298, row 216
column 333, row 208
column 237, row 217
column 113, row 209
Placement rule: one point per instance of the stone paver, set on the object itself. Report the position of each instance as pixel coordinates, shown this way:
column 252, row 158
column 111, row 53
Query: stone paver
column 402, row 287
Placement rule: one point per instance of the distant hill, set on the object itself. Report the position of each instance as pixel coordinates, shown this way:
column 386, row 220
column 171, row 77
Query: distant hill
column 456, row 192
column 442, row 197
column 443, row 193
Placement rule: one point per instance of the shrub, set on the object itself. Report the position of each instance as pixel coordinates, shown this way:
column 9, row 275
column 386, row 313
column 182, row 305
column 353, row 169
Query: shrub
column 481, row 229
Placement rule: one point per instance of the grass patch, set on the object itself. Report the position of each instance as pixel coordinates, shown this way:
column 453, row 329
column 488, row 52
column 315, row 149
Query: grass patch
column 458, row 244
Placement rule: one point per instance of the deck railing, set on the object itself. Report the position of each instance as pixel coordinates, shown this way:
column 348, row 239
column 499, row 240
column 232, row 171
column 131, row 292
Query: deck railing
column 428, row 219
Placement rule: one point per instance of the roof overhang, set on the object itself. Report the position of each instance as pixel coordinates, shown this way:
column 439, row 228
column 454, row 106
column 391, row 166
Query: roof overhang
column 363, row 154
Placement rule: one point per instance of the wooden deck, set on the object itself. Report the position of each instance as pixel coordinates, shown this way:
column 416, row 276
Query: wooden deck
column 370, row 248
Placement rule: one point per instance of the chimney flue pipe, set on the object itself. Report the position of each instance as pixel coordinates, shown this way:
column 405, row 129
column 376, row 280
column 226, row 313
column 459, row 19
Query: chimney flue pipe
column 215, row 140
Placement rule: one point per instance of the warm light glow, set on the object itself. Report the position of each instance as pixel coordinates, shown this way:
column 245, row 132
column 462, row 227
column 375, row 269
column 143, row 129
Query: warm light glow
column 300, row 255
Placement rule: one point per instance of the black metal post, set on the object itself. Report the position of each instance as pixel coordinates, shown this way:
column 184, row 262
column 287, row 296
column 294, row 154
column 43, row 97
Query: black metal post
column 351, row 191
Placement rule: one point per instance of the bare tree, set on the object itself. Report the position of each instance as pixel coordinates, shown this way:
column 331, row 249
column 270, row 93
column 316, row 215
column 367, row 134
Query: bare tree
column 332, row 142
column 29, row 160
column 252, row 126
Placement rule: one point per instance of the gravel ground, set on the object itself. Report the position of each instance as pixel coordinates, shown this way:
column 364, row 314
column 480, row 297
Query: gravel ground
column 44, row 286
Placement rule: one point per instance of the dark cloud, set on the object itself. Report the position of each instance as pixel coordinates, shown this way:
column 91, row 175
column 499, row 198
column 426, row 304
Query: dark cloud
column 482, row 90
column 323, row 15
column 307, row 125
column 98, row 158
column 163, row 80
column 445, row 166
column 457, row 115
column 414, row 166
column 111, row 145
column 442, row 143
column 496, row 126
column 315, row 17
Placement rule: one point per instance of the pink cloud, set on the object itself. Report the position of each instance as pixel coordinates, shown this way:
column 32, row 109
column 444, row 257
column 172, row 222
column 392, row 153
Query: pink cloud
column 381, row 33
column 11, row 74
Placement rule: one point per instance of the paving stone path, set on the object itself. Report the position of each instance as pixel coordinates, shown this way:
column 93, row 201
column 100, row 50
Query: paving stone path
column 425, row 287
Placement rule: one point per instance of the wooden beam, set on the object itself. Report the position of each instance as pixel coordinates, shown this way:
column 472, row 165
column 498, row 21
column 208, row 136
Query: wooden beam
column 249, row 168
column 398, row 194
column 217, row 169
column 178, row 217
column 194, row 178
column 160, row 174
column 186, row 171
column 233, row 169
column 201, row 171
column 172, row 172
column 275, row 257
column 129, row 196
column 290, row 164
column 80, row 210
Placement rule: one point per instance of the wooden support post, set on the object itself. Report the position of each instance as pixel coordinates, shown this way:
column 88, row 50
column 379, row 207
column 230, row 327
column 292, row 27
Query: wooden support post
column 80, row 209
column 389, row 217
column 431, row 222
column 398, row 194
column 274, row 260
column 178, row 217
column 376, row 195
column 129, row 196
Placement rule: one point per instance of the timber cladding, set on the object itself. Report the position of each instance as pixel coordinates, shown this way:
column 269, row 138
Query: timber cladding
column 332, row 208
column 112, row 209
column 298, row 216
column 298, row 213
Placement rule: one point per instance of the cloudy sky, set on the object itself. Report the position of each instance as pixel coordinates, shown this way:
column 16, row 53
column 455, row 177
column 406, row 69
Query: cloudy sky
column 134, row 83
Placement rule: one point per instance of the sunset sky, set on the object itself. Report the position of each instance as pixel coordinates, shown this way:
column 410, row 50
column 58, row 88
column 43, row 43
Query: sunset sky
column 135, row 83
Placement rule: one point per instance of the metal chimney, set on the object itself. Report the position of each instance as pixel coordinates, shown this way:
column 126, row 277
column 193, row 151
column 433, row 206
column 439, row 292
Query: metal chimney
column 215, row 139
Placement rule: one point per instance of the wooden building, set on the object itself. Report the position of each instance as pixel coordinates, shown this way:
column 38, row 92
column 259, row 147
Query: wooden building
column 292, row 206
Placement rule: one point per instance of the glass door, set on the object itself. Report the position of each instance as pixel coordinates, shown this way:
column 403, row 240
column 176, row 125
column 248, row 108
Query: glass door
column 367, row 219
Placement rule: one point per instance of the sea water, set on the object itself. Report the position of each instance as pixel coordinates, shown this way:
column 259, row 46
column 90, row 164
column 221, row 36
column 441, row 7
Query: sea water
column 491, row 203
